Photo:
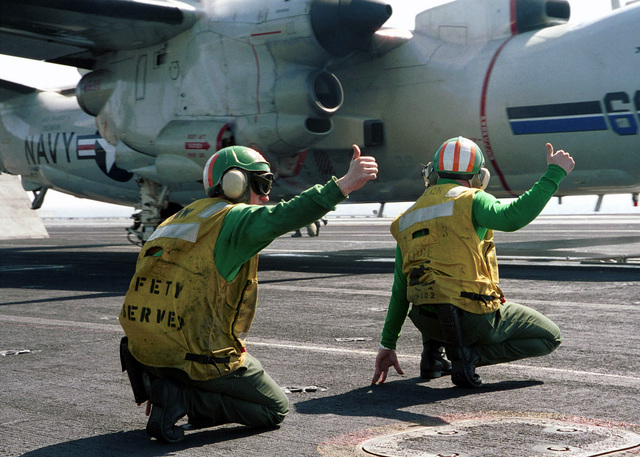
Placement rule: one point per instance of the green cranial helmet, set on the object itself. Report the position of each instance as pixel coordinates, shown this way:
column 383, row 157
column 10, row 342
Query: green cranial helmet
column 232, row 157
column 458, row 158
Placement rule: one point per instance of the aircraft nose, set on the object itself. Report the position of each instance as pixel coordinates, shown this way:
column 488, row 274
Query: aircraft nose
column 344, row 26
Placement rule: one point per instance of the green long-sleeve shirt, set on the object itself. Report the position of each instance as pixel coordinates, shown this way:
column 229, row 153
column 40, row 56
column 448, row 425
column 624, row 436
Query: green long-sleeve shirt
column 248, row 229
column 487, row 213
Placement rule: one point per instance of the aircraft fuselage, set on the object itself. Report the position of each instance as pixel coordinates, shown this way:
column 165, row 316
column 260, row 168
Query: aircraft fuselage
column 262, row 78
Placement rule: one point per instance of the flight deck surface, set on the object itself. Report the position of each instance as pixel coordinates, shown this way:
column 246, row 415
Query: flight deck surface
column 321, row 308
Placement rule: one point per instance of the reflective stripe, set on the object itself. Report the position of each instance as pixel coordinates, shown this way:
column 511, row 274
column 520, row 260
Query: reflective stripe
column 455, row 192
column 187, row 232
column 425, row 214
column 213, row 209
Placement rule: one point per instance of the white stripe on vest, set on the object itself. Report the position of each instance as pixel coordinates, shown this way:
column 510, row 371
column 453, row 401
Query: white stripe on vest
column 425, row 214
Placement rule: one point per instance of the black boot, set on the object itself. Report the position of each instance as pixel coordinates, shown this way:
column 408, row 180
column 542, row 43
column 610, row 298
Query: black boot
column 464, row 360
column 433, row 363
column 197, row 423
column 168, row 406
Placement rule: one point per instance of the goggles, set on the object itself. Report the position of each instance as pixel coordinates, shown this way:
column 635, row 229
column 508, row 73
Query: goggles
column 261, row 183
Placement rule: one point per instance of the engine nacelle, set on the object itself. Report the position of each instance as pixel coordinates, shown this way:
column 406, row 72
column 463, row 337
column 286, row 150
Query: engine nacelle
column 538, row 14
column 342, row 27
column 171, row 169
column 197, row 140
column 469, row 21
column 93, row 91
column 305, row 100
column 181, row 150
column 305, row 31
column 281, row 134
column 317, row 93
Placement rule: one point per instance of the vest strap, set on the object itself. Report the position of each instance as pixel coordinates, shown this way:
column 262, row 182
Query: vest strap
column 205, row 359
column 486, row 299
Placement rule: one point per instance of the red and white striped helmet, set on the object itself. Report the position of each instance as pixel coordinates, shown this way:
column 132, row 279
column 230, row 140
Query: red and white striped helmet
column 458, row 158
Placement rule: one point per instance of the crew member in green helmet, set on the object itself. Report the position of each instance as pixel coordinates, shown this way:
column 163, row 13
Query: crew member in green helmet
column 193, row 297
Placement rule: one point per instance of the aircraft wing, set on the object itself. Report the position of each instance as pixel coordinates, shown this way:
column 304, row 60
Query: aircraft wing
column 72, row 32
column 9, row 90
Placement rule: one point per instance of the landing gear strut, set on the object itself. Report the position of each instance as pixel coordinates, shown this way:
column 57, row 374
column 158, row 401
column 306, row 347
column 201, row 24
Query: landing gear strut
column 38, row 199
column 153, row 200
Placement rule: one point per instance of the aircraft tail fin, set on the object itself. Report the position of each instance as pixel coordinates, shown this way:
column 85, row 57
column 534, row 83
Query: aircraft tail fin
column 10, row 90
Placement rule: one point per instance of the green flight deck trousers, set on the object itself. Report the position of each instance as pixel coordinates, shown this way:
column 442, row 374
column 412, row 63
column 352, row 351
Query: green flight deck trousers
column 246, row 396
column 512, row 332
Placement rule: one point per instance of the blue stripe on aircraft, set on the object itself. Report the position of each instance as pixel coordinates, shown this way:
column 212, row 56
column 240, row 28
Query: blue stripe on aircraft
column 561, row 117
column 579, row 124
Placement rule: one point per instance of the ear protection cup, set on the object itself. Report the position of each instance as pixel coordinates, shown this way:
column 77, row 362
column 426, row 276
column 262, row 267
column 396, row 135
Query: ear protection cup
column 481, row 179
column 234, row 184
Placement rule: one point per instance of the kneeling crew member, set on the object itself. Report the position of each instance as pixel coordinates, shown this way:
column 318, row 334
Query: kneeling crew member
column 446, row 256
column 193, row 297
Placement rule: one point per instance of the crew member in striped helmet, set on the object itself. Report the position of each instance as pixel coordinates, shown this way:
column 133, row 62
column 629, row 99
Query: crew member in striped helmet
column 446, row 269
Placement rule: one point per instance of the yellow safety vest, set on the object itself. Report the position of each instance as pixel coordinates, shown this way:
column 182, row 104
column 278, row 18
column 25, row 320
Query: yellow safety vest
column 444, row 260
column 179, row 312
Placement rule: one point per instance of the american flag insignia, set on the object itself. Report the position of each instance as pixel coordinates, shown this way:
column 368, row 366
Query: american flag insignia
column 87, row 146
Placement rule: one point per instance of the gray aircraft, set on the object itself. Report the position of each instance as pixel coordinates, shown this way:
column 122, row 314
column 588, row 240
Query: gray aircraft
column 167, row 83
